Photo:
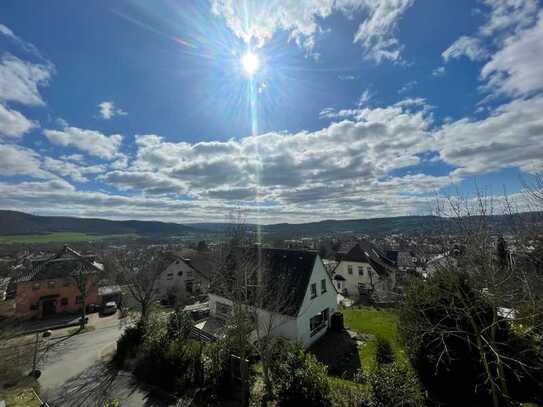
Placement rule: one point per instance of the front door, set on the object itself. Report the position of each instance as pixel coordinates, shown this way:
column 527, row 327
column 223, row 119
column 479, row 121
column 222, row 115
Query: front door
column 49, row 308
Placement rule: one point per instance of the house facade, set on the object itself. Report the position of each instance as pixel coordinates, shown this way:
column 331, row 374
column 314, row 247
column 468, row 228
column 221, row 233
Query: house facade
column 305, row 316
column 49, row 287
column 363, row 272
column 185, row 277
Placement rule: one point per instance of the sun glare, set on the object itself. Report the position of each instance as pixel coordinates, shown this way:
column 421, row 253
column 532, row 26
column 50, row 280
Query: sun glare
column 250, row 63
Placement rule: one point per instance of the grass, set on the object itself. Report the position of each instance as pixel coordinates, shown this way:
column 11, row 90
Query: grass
column 20, row 397
column 60, row 237
column 377, row 323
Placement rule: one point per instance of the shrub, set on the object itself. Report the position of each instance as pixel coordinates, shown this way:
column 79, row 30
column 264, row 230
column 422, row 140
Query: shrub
column 383, row 353
column 301, row 379
column 395, row 385
column 346, row 395
column 128, row 344
column 179, row 325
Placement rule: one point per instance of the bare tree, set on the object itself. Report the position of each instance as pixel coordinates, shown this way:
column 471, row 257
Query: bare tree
column 501, row 288
column 139, row 270
column 260, row 296
column 84, row 277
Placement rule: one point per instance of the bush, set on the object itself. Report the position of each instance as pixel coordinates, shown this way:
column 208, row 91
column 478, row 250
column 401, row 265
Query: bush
column 395, row 385
column 383, row 353
column 347, row 395
column 179, row 325
column 128, row 344
column 444, row 324
column 175, row 367
column 301, row 380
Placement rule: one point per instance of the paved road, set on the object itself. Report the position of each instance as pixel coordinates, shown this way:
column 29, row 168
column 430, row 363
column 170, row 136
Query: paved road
column 75, row 371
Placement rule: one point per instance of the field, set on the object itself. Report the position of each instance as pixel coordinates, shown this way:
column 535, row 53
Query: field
column 60, row 237
column 376, row 323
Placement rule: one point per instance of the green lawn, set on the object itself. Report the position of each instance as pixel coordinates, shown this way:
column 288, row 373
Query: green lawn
column 60, row 237
column 379, row 323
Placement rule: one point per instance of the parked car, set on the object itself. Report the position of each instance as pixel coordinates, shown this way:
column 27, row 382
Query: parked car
column 109, row 308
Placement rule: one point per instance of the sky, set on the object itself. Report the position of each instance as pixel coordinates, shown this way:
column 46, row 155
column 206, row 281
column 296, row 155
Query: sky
column 347, row 108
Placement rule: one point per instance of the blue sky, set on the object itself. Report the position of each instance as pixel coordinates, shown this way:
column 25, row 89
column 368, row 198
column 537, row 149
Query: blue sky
column 358, row 109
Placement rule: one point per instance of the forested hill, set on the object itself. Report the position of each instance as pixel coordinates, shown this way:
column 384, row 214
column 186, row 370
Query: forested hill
column 19, row 223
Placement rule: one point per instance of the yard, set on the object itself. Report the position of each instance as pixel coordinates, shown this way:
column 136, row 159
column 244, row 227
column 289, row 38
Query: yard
column 374, row 323
column 60, row 237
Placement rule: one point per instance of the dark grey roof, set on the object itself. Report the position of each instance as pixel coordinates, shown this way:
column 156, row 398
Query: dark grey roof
column 283, row 273
column 200, row 261
column 63, row 264
column 366, row 252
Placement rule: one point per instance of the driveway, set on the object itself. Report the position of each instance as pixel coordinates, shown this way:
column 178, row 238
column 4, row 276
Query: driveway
column 75, row 371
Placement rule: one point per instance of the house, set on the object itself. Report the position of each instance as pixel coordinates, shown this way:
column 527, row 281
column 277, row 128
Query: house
column 186, row 276
column 364, row 272
column 48, row 285
column 301, row 296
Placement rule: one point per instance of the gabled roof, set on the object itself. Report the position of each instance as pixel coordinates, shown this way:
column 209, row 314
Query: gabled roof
column 201, row 262
column 366, row 252
column 65, row 263
column 284, row 274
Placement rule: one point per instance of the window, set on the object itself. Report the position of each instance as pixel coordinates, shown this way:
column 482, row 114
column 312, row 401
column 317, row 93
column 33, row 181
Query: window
column 51, row 284
column 189, row 274
column 323, row 286
column 350, row 269
column 79, row 299
column 188, row 286
column 319, row 322
column 179, row 273
column 169, row 276
column 36, row 286
column 361, row 271
column 313, row 290
column 64, row 301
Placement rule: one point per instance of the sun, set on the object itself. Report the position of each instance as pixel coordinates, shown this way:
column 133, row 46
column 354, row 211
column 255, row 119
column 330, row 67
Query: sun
column 250, row 63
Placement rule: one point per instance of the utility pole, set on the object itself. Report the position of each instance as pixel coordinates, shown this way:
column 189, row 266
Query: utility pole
column 34, row 371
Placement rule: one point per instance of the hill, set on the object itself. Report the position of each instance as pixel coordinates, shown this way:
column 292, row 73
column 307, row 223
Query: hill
column 19, row 223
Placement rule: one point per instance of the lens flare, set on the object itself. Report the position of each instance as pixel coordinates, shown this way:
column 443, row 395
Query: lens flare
column 250, row 63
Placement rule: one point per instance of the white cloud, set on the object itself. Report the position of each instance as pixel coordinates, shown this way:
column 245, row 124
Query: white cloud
column 108, row 110
column 439, row 71
column 376, row 33
column 13, row 123
column 74, row 171
column 19, row 81
column 257, row 21
column 512, row 136
column 366, row 96
column 89, row 141
column 516, row 69
column 504, row 19
column 26, row 46
column 407, row 87
column 469, row 47
column 16, row 160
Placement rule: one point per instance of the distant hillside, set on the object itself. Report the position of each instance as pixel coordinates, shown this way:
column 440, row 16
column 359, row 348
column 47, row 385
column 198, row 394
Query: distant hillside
column 381, row 226
column 19, row 223
column 402, row 224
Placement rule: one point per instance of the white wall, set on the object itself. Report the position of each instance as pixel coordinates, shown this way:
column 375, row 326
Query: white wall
column 312, row 307
column 178, row 282
column 352, row 280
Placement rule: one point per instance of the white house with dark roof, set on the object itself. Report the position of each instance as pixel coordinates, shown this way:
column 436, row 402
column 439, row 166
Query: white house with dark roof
column 306, row 312
column 186, row 276
column 364, row 271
